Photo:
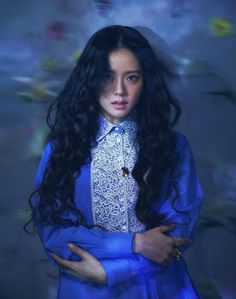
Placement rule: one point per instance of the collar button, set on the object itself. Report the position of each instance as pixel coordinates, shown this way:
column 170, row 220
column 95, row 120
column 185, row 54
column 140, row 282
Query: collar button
column 118, row 129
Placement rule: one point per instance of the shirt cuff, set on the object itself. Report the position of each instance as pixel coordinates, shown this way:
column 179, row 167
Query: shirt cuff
column 117, row 270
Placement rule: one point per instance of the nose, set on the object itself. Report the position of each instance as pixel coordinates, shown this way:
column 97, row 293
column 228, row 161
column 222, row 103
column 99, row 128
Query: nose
column 119, row 89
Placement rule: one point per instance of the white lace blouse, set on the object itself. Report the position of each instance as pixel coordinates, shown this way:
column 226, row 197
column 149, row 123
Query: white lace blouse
column 114, row 193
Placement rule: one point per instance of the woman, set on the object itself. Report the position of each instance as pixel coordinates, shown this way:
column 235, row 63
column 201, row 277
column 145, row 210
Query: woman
column 117, row 192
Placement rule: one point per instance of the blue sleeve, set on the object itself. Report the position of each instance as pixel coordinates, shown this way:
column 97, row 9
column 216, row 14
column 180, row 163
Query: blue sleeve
column 183, row 205
column 118, row 270
column 55, row 238
column 183, row 211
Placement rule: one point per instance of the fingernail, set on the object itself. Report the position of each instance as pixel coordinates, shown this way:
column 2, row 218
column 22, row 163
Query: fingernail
column 70, row 245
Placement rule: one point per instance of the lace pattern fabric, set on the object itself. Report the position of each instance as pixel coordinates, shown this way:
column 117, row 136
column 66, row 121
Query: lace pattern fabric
column 114, row 196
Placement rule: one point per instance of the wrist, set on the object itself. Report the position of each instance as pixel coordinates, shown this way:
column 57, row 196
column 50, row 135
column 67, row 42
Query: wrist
column 137, row 244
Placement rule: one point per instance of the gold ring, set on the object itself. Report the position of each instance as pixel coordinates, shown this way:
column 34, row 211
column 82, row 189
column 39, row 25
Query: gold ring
column 178, row 255
column 179, row 242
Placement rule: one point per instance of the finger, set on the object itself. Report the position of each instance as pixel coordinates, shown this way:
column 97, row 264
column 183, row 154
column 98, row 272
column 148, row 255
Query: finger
column 175, row 255
column 62, row 262
column 169, row 260
column 78, row 251
column 166, row 227
column 178, row 255
column 174, row 252
column 73, row 273
column 178, row 242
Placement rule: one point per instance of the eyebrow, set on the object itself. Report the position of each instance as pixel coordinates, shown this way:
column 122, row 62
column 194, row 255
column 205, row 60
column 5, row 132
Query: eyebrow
column 128, row 72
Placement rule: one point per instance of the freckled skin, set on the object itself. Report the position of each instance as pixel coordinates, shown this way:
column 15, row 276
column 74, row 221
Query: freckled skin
column 123, row 86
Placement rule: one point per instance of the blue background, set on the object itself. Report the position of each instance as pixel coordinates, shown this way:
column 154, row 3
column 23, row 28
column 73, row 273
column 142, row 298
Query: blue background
column 40, row 41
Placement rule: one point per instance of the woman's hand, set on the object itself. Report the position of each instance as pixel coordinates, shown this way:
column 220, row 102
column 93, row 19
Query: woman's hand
column 155, row 245
column 88, row 269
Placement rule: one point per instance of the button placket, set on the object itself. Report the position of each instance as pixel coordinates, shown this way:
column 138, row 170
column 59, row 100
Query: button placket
column 125, row 224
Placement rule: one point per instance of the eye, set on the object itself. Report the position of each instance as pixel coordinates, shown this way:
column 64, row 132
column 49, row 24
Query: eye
column 133, row 78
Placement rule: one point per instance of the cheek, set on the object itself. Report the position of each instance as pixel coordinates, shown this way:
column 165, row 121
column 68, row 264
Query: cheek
column 107, row 90
column 102, row 101
column 137, row 91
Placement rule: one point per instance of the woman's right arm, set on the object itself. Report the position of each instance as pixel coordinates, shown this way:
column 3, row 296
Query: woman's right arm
column 97, row 242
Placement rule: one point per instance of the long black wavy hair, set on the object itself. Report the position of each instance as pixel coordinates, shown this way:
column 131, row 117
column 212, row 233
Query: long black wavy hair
column 73, row 121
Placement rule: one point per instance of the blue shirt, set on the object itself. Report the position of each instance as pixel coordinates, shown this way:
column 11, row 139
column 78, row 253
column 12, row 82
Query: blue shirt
column 129, row 275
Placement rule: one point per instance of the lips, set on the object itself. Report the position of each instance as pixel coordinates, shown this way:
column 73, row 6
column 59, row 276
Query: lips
column 119, row 104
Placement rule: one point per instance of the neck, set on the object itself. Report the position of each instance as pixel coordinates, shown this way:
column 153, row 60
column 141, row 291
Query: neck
column 116, row 121
column 112, row 120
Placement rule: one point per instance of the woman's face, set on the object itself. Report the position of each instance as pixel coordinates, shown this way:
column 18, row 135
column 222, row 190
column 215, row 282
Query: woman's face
column 123, row 86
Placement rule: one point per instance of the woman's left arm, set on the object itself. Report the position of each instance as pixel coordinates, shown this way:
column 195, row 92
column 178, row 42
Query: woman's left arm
column 182, row 207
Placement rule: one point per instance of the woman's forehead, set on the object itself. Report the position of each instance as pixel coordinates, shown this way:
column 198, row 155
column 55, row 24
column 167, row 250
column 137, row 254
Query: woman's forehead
column 123, row 60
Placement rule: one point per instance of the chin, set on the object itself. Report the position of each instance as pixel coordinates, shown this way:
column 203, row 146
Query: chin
column 121, row 115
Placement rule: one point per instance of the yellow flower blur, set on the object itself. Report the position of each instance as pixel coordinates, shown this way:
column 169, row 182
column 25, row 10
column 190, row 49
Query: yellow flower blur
column 221, row 27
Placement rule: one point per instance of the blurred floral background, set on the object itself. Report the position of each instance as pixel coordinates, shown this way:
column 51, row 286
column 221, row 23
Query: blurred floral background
column 40, row 43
